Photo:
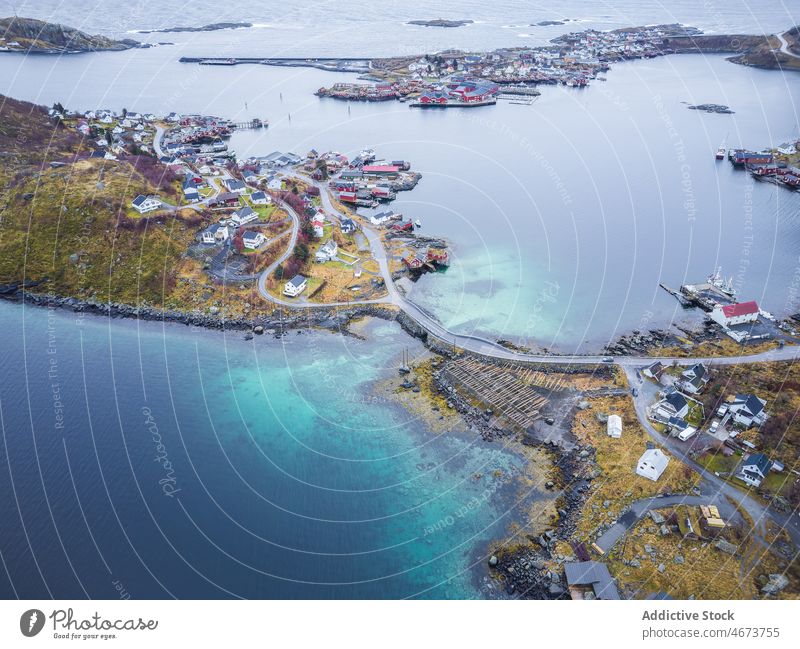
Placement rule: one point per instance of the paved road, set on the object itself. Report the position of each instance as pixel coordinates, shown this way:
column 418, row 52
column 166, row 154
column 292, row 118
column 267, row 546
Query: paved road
column 785, row 47
column 640, row 508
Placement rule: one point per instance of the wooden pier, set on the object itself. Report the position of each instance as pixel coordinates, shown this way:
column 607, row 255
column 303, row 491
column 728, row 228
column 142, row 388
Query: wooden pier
column 254, row 123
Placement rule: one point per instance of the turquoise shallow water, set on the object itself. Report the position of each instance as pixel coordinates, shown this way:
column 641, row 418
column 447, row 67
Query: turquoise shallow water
column 194, row 464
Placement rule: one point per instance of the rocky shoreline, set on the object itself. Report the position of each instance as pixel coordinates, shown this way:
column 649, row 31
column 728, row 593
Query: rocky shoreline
column 276, row 324
column 524, row 569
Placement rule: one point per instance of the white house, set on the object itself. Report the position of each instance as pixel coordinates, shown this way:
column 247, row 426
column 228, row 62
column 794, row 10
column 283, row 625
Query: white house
column 215, row 233
column 735, row 314
column 347, row 225
column 253, row 240
column 260, row 198
column 614, row 426
column 748, row 410
column 327, row 251
column 244, row 216
column 652, row 464
column 674, row 404
column 754, row 469
column 234, row 185
column 382, row 217
column 295, row 286
column 319, row 228
column 190, row 193
column 145, row 204
column 694, row 379
column 654, row 371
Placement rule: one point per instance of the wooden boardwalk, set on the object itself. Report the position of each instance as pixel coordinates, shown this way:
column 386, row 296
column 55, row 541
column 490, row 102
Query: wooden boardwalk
column 513, row 391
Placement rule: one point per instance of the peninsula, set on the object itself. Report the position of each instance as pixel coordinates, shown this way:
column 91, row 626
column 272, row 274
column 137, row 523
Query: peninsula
column 34, row 36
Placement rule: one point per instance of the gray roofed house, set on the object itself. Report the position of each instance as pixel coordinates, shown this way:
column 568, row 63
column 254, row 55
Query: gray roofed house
column 590, row 580
column 748, row 410
column 754, row 469
column 674, row 404
column 695, row 378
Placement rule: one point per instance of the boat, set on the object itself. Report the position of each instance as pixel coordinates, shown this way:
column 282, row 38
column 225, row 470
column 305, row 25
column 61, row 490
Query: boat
column 720, row 283
column 418, row 223
column 721, row 152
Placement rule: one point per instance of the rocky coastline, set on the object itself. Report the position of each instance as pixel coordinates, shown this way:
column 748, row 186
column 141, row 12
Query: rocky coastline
column 524, row 569
column 276, row 324
column 33, row 36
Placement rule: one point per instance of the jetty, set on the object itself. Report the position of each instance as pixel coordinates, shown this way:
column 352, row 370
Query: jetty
column 337, row 64
column 254, row 123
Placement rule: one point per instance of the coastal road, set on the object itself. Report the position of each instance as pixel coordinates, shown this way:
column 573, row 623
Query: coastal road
column 641, row 508
column 785, row 47
column 473, row 343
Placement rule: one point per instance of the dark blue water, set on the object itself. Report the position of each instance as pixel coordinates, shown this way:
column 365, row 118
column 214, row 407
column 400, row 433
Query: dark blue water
column 195, row 464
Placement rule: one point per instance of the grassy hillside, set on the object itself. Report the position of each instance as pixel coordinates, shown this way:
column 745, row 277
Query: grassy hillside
column 71, row 225
column 29, row 34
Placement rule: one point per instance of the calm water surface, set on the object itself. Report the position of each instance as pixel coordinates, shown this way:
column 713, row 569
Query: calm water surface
column 288, row 478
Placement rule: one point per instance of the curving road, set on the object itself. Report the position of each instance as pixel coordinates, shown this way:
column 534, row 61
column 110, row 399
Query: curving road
column 785, row 47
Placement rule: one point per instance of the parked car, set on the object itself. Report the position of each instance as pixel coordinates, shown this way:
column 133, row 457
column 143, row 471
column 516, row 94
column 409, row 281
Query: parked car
column 714, row 426
column 608, row 359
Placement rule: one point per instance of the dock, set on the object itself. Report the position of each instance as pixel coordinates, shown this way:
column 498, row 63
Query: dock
column 254, row 123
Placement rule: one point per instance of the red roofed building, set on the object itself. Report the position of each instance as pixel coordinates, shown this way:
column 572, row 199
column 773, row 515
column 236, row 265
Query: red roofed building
column 380, row 170
column 734, row 314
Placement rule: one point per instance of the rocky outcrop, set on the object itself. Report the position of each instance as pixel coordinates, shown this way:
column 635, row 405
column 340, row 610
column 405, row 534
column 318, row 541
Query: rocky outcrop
column 213, row 27
column 37, row 36
column 440, row 22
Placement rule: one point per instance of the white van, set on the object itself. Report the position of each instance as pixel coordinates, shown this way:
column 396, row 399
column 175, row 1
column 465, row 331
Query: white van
column 686, row 433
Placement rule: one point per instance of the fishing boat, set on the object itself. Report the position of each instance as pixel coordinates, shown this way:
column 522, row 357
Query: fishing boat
column 721, row 152
column 418, row 223
column 723, row 285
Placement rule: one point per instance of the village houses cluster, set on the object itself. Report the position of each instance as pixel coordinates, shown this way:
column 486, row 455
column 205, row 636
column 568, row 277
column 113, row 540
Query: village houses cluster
column 681, row 414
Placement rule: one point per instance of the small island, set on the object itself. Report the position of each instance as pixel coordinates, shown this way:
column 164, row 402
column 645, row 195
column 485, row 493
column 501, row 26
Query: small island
column 440, row 22
column 34, row 36
column 213, row 27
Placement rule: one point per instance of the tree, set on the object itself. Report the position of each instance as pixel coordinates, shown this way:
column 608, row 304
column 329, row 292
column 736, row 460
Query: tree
column 307, row 230
column 301, row 252
column 109, row 136
column 278, row 272
column 124, row 113
column 238, row 242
